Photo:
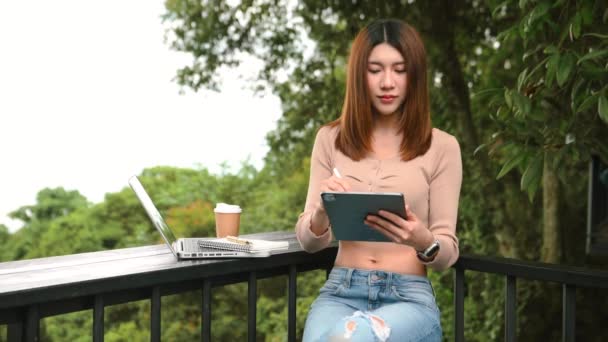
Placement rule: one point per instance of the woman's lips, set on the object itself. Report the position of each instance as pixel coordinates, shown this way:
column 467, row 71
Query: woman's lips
column 387, row 99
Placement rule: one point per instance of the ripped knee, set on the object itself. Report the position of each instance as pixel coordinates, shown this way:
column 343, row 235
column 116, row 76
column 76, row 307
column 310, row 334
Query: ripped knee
column 378, row 326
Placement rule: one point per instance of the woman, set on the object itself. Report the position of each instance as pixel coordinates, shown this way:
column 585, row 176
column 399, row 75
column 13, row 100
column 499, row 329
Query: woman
column 384, row 142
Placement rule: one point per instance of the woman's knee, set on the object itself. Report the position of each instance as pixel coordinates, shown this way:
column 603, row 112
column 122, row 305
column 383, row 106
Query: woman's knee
column 360, row 326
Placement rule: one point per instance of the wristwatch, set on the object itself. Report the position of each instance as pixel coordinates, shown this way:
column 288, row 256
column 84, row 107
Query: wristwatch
column 429, row 253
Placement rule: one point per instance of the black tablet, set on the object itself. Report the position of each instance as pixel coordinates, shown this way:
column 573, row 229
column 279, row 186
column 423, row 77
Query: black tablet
column 347, row 211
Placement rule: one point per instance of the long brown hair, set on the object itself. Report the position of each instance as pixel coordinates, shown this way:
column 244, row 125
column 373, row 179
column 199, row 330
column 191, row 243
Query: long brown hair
column 355, row 122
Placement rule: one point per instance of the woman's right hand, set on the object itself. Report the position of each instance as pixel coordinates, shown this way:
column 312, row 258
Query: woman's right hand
column 320, row 221
column 334, row 183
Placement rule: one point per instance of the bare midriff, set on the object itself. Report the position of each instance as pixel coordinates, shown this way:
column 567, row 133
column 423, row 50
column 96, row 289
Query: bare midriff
column 388, row 257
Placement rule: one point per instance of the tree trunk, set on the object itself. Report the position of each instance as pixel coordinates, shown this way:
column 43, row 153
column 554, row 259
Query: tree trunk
column 551, row 251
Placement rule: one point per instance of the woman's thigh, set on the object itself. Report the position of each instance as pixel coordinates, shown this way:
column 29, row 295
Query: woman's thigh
column 410, row 321
column 324, row 314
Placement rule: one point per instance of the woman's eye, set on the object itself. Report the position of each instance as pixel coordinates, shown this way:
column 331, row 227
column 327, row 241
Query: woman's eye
column 401, row 71
column 374, row 71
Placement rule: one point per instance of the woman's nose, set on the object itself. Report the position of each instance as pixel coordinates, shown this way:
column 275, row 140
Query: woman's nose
column 387, row 80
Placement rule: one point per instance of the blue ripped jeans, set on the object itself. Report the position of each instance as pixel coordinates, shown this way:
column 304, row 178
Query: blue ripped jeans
column 364, row 305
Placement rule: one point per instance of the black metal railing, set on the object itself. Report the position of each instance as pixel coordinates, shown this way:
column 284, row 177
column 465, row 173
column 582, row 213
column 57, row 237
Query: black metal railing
column 569, row 277
column 31, row 290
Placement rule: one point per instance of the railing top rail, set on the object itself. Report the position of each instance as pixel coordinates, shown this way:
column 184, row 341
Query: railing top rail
column 533, row 270
column 38, row 280
column 72, row 276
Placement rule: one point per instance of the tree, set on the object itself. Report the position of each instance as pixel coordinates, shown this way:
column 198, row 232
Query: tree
column 553, row 113
column 51, row 204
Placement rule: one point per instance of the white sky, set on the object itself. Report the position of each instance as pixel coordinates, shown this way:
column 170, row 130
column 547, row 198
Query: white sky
column 86, row 100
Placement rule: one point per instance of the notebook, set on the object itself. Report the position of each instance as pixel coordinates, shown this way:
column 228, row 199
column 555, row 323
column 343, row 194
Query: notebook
column 232, row 243
column 184, row 248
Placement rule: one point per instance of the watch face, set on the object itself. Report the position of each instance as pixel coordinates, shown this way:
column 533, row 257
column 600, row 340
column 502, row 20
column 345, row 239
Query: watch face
column 432, row 250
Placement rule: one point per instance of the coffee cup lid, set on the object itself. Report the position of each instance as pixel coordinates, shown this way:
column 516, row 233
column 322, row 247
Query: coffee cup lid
column 227, row 208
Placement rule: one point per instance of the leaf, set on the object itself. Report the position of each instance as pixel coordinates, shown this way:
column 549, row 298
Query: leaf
column 551, row 69
column 522, row 102
column 522, row 4
column 532, row 174
column 510, row 164
column 538, row 12
column 532, row 52
column 576, row 88
column 587, row 103
column 574, row 94
column 593, row 55
column 520, row 79
column 508, row 99
column 536, row 68
column 479, row 148
column 551, row 49
column 575, row 26
column 532, row 190
column 498, row 9
column 566, row 63
column 597, row 35
column 486, row 92
column 602, row 108
column 586, row 13
column 591, row 72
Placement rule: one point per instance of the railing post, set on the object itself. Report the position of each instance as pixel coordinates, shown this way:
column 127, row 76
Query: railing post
column 459, row 304
column 98, row 319
column 206, row 319
column 569, row 313
column 510, row 309
column 291, row 303
column 252, row 307
column 32, row 325
column 155, row 315
column 15, row 332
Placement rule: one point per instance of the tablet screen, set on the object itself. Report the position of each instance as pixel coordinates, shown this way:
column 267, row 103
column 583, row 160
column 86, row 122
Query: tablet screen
column 347, row 212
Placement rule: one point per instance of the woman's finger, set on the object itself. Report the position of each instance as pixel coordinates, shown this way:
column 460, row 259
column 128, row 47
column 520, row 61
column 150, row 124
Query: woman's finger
column 385, row 230
column 340, row 183
column 396, row 219
column 410, row 214
column 343, row 183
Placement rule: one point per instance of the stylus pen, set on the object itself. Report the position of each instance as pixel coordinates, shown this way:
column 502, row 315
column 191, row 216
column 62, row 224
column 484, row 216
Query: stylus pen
column 337, row 173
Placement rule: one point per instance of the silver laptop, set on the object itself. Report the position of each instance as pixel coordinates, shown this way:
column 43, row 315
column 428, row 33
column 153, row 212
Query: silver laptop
column 184, row 248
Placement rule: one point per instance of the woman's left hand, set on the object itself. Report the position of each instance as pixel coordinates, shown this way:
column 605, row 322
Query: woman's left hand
column 409, row 231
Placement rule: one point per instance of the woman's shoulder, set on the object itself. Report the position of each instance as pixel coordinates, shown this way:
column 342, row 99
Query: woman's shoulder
column 328, row 132
column 442, row 141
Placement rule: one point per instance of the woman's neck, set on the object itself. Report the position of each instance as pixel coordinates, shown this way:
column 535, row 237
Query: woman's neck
column 386, row 124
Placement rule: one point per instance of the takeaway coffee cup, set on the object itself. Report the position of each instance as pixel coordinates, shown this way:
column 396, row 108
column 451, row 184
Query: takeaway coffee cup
column 227, row 219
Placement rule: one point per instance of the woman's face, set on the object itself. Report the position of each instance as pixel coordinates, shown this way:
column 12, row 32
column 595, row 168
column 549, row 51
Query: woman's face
column 386, row 78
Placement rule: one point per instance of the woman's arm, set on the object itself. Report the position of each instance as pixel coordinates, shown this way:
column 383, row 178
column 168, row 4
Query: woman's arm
column 312, row 228
column 444, row 195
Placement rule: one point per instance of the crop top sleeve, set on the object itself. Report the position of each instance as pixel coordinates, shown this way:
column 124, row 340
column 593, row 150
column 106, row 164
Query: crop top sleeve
column 320, row 169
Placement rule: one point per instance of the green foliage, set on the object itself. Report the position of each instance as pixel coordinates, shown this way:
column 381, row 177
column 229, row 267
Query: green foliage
column 50, row 204
column 556, row 107
column 4, row 237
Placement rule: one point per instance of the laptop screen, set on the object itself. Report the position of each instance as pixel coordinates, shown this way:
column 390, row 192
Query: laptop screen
column 153, row 213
